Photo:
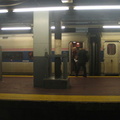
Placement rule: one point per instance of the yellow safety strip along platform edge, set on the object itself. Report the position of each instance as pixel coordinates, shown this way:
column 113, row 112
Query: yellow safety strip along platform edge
column 58, row 98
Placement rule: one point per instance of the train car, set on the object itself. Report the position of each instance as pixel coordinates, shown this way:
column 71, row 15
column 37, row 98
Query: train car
column 110, row 43
column 17, row 52
column 69, row 41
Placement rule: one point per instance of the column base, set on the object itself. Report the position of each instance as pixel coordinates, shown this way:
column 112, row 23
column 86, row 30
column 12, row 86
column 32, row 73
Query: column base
column 56, row 83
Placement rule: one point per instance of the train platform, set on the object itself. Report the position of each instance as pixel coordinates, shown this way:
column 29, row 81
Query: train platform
column 90, row 89
column 87, row 98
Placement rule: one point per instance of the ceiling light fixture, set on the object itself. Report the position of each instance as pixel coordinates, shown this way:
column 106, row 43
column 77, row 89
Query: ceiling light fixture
column 101, row 7
column 112, row 26
column 3, row 11
column 67, row 1
column 15, row 28
column 41, row 9
column 63, row 27
column 53, row 27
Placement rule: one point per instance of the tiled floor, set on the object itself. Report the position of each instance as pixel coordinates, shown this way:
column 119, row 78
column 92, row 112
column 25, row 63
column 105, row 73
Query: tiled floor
column 79, row 86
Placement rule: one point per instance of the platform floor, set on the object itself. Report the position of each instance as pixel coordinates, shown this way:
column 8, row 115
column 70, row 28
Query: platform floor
column 87, row 98
column 90, row 89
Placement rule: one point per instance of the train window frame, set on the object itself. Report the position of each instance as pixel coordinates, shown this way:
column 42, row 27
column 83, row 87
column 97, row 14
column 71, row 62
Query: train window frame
column 111, row 49
column 17, row 56
column 12, row 56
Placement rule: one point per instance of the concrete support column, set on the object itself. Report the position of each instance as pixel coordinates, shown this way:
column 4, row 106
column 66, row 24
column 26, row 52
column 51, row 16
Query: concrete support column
column 58, row 36
column 58, row 46
column 58, row 72
column 58, row 82
column 94, row 50
column 41, row 45
column 0, row 63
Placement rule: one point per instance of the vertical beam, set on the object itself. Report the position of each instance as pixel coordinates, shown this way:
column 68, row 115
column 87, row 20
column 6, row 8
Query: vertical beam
column 42, row 34
column 41, row 45
column 94, row 46
column 0, row 63
column 58, row 36
column 58, row 47
column 65, row 72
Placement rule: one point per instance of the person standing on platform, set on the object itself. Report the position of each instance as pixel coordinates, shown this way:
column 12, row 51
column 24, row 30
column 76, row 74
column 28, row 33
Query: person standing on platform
column 82, row 58
column 73, row 60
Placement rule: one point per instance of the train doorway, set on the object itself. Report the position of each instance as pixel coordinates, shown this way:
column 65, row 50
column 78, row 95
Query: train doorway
column 111, row 58
column 73, row 49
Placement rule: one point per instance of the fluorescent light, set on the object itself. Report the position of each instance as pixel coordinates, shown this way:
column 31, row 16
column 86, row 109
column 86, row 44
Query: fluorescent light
column 67, row 1
column 53, row 27
column 103, row 7
column 41, row 9
column 16, row 28
column 3, row 11
column 112, row 26
column 63, row 27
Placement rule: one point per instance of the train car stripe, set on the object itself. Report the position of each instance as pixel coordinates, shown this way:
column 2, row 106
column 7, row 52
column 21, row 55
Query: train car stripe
column 59, row 98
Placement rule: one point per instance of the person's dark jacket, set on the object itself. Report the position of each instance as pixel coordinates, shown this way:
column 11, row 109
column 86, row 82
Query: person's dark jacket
column 82, row 56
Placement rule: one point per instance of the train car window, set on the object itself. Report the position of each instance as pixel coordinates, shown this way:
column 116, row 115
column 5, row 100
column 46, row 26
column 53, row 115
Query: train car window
column 111, row 49
column 12, row 56
column 30, row 55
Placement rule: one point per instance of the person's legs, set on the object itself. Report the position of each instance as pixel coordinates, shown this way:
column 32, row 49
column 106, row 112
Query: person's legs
column 77, row 69
column 84, row 70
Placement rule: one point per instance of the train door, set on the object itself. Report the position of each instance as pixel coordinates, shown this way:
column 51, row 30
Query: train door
column 73, row 48
column 111, row 58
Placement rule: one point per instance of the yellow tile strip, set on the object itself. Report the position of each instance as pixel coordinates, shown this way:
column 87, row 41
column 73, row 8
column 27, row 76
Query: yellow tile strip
column 96, row 76
column 17, row 75
column 58, row 98
column 68, row 76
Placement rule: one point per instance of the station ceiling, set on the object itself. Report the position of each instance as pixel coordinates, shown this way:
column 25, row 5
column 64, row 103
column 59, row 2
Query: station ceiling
column 71, row 18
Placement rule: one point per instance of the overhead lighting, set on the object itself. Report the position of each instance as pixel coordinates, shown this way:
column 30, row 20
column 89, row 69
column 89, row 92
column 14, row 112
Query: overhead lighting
column 67, row 1
column 3, row 11
column 41, row 9
column 101, row 7
column 15, row 28
column 112, row 26
column 63, row 27
column 53, row 27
